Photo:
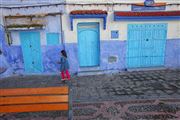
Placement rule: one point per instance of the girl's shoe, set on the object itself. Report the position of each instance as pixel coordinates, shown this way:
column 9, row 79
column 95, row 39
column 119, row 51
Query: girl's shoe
column 66, row 79
column 63, row 79
column 2, row 114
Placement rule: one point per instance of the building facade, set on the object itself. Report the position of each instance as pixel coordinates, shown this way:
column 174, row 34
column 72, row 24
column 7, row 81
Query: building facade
column 107, row 35
column 120, row 35
column 31, row 36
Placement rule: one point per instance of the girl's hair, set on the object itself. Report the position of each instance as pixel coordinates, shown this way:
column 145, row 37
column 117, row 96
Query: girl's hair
column 63, row 52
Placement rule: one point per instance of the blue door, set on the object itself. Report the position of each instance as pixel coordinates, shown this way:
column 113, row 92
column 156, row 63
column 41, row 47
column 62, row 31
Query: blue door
column 88, row 44
column 146, row 45
column 30, row 42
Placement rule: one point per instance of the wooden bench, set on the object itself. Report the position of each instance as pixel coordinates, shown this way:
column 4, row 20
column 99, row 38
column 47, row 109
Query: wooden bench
column 35, row 100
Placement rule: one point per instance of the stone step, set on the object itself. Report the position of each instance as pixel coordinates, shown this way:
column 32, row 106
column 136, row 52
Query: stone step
column 85, row 69
column 146, row 69
column 96, row 72
column 90, row 72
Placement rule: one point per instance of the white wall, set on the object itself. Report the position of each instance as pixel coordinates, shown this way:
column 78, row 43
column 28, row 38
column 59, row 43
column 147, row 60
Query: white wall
column 71, row 36
column 33, row 10
column 13, row 3
column 52, row 25
column 52, row 22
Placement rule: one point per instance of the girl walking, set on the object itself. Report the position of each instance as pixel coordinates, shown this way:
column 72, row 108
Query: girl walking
column 64, row 66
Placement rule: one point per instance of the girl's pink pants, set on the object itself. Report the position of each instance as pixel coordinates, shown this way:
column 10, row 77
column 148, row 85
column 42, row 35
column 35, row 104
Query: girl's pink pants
column 67, row 75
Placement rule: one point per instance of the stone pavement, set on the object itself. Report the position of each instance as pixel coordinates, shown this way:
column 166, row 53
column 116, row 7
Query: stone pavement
column 155, row 94
column 164, row 109
column 167, row 109
column 127, row 86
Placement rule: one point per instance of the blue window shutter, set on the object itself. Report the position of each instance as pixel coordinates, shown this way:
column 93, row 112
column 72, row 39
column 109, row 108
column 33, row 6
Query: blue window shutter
column 52, row 38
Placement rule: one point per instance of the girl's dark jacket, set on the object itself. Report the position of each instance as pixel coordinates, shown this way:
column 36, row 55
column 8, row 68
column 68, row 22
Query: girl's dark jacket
column 64, row 63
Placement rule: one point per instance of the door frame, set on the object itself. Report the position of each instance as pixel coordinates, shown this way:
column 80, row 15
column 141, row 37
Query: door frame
column 98, row 27
column 164, row 27
column 24, row 52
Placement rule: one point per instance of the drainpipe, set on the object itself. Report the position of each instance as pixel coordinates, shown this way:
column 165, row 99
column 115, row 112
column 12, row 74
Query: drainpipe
column 62, row 33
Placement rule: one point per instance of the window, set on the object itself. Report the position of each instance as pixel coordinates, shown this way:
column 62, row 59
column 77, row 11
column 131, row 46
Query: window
column 52, row 38
column 114, row 34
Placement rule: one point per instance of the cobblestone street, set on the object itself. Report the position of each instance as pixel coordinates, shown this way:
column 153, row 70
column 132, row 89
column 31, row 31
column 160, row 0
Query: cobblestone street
column 138, row 95
column 130, row 85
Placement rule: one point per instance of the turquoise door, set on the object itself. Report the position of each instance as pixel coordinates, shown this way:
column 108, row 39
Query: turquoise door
column 30, row 42
column 88, row 44
column 146, row 45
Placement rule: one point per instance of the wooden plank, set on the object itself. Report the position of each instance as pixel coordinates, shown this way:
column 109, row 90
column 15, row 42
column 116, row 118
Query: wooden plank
column 32, row 15
column 34, row 91
column 33, row 108
column 33, row 99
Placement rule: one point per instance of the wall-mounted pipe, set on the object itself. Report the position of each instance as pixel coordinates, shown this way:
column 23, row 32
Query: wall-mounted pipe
column 62, row 33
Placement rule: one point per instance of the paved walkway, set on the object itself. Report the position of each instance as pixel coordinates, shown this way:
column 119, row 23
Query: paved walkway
column 125, row 86
column 107, row 92
column 168, row 109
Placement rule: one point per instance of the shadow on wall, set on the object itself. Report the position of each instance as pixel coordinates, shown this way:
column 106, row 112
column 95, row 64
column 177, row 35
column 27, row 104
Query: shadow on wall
column 173, row 53
column 4, row 65
column 51, row 55
column 10, row 57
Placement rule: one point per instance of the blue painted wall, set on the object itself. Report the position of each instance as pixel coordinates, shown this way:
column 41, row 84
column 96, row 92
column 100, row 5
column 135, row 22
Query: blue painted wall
column 51, row 55
column 13, row 59
column 113, row 48
column 118, row 48
column 172, row 54
column 4, row 65
column 107, row 49
column 72, row 51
